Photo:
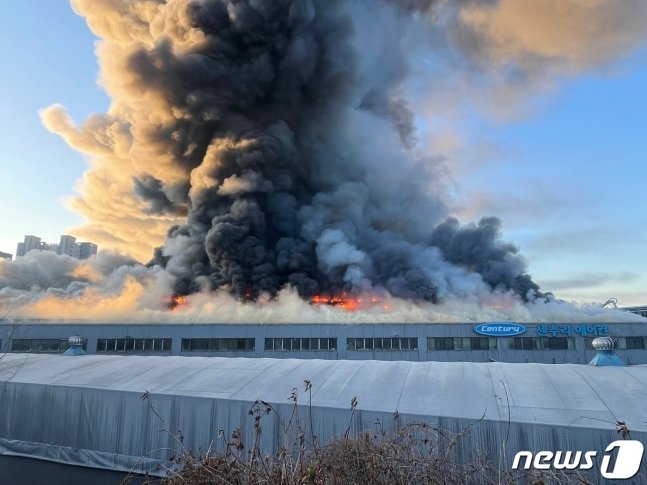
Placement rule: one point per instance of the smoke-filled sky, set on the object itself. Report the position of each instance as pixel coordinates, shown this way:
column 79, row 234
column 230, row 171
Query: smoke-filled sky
column 373, row 127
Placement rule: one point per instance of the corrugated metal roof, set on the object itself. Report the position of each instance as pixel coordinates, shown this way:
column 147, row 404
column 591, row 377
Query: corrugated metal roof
column 87, row 410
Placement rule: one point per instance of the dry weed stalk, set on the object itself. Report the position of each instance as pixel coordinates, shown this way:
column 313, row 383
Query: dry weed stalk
column 413, row 453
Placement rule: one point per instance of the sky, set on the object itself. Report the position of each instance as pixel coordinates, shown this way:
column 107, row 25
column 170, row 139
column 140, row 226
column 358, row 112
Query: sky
column 564, row 170
column 49, row 58
column 568, row 182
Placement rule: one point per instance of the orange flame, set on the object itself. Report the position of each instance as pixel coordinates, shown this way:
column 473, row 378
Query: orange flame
column 175, row 301
column 347, row 302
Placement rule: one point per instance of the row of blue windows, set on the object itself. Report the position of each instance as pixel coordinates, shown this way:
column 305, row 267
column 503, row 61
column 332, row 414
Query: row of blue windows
column 296, row 344
column 541, row 343
column 218, row 344
column 109, row 345
column 461, row 343
column 163, row 345
column 382, row 343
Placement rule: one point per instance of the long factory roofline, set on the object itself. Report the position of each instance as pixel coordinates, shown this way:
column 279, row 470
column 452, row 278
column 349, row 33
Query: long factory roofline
column 542, row 343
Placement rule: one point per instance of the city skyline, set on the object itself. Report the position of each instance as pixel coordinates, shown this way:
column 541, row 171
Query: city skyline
column 67, row 245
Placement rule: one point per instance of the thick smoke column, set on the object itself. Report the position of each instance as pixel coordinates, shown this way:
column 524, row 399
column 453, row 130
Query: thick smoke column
column 269, row 149
column 243, row 115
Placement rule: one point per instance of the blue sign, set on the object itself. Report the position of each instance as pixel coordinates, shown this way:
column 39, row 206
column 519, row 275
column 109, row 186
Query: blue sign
column 500, row 329
column 584, row 330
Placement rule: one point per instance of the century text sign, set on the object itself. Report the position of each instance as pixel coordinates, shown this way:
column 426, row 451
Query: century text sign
column 500, row 329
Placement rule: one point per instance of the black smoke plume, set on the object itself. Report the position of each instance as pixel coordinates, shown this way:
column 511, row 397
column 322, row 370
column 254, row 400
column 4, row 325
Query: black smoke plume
column 277, row 193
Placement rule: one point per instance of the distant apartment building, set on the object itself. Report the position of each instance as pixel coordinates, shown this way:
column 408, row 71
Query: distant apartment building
column 67, row 245
column 5, row 256
column 84, row 250
column 30, row 242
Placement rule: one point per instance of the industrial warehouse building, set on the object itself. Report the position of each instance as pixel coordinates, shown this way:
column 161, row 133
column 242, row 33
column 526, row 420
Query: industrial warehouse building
column 81, row 418
column 551, row 343
column 85, row 413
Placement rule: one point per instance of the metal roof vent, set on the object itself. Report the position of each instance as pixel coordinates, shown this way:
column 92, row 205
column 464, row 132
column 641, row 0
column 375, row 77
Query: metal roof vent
column 75, row 344
column 606, row 347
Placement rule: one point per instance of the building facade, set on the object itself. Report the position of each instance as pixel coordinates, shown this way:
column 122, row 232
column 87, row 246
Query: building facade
column 554, row 343
column 84, row 250
column 66, row 245
column 5, row 256
column 30, row 242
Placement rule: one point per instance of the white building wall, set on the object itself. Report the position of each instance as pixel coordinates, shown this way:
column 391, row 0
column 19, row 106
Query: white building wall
column 66, row 245
column 31, row 242
column 84, row 250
